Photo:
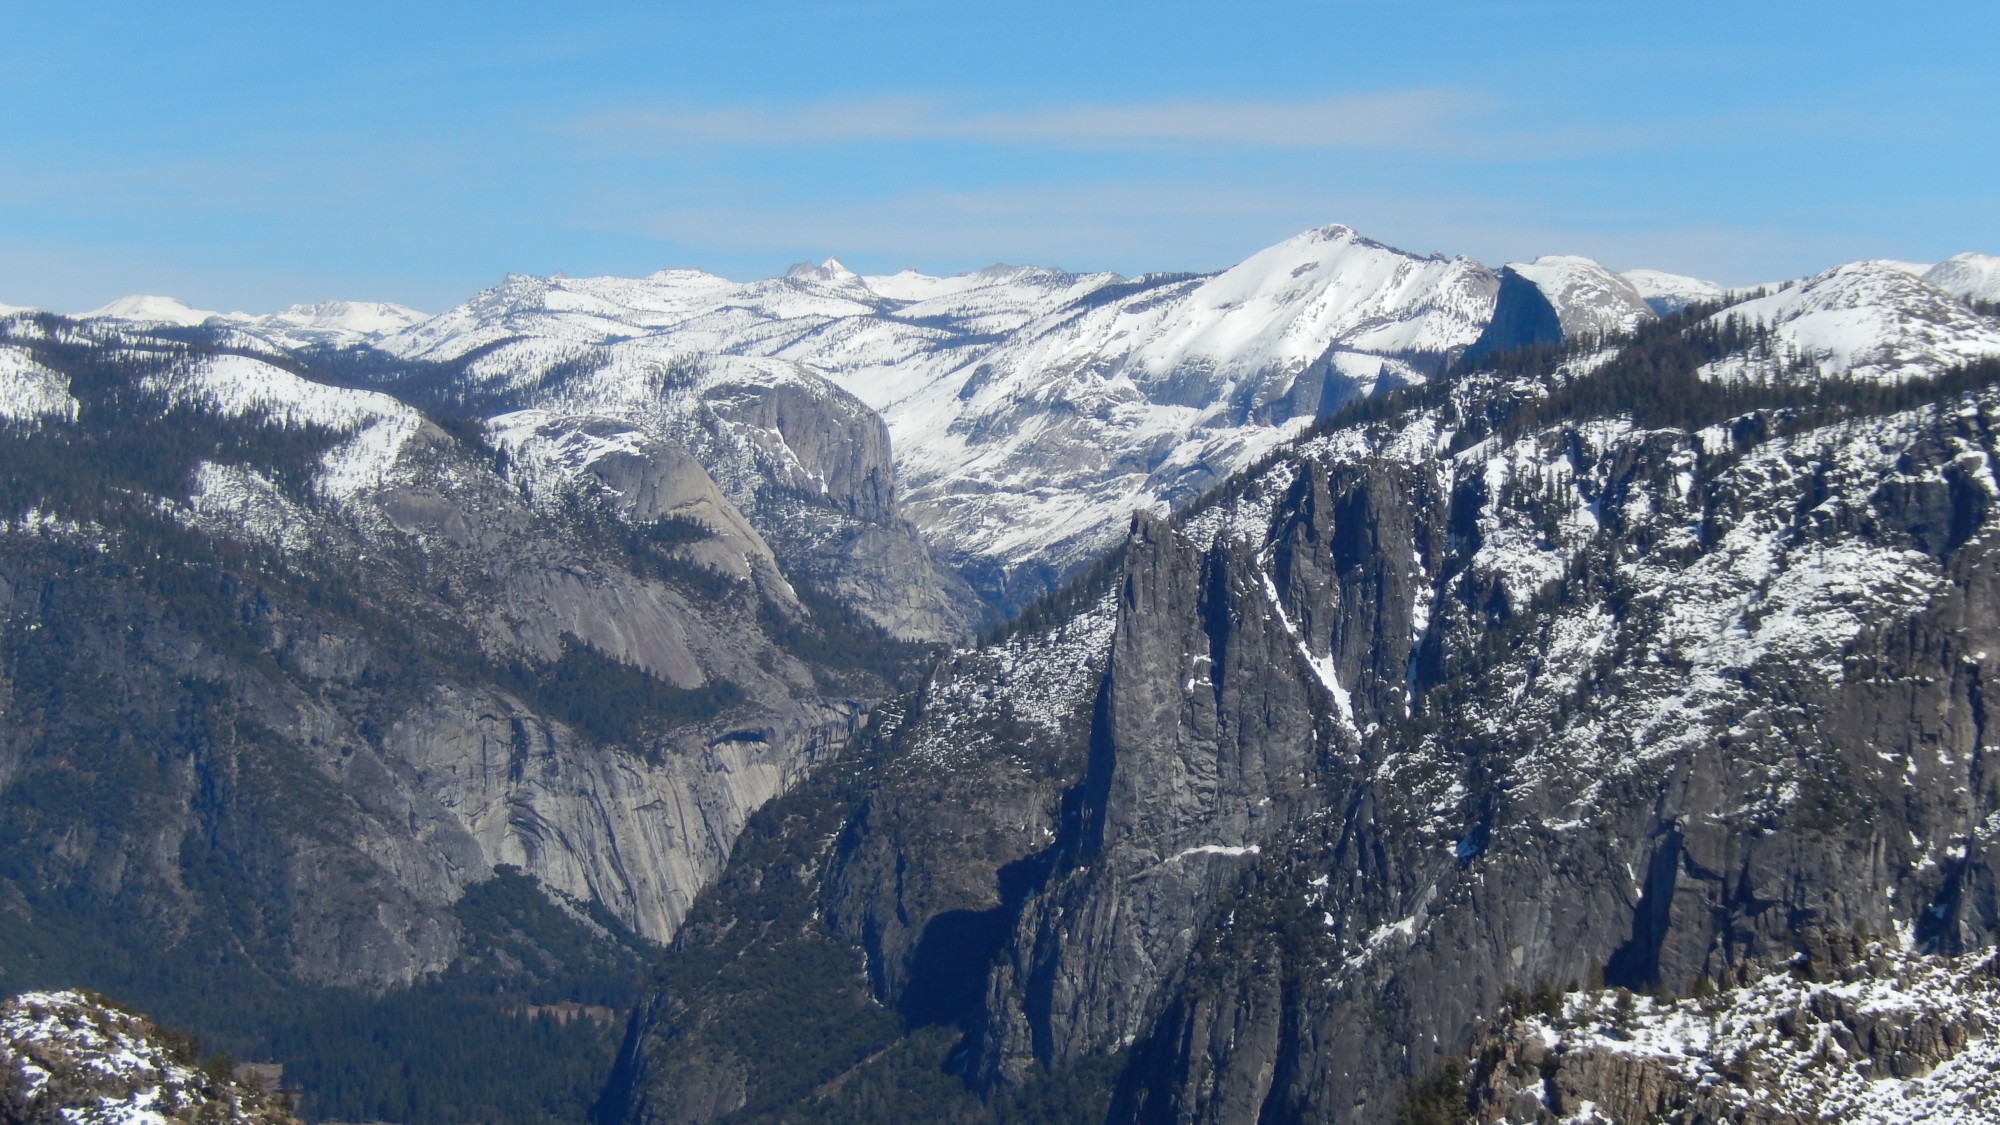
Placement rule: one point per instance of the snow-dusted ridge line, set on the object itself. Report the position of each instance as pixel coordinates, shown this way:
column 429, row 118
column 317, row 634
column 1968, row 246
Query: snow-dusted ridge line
column 979, row 428
column 1868, row 320
column 1969, row 277
column 376, row 425
column 1033, row 410
column 1668, row 292
column 1589, row 299
column 325, row 322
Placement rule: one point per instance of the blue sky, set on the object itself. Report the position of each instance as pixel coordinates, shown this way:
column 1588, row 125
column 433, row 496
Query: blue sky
column 242, row 156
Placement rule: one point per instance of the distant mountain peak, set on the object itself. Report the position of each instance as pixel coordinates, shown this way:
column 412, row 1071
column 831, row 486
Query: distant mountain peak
column 1588, row 298
column 1669, row 292
column 830, row 270
column 1871, row 320
column 152, row 309
column 1968, row 276
column 364, row 317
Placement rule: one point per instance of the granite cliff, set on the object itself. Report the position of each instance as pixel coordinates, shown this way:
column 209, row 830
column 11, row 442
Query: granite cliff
column 1613, row 666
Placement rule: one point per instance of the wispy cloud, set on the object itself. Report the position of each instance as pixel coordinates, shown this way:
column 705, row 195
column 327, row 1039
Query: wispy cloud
column 1401, row 119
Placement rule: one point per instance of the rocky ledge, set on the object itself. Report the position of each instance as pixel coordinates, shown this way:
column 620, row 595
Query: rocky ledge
column 1849, row 1032
column 67, row 1058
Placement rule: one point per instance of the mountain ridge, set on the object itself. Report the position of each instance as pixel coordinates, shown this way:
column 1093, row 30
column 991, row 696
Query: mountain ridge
column 574, row 580
column 1030, row 409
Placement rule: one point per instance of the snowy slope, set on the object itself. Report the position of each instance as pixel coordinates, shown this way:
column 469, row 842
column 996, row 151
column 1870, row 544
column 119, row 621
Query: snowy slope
column 328, row 322
column 667, row 394
column 1036, row 451
column 1969, row 277
column 1914, row 269
column 1589, row 299
column 375, row 426
column 333, row 322
column 1666, row 292
column 1031, row 410
column 1872, row 320
column 154, row 310
column 824, row 315
column 1282, row 307
column 29, row 391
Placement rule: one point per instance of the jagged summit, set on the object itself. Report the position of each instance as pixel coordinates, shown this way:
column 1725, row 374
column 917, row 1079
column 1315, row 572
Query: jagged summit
column 830, row 270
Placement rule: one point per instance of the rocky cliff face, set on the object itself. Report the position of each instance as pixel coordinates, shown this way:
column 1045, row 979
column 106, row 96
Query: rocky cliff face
column 1646, row 660
column 1679, row 698
column 804, row 462
column 269, row 641
column 1605, row 671
column 1851, row 1032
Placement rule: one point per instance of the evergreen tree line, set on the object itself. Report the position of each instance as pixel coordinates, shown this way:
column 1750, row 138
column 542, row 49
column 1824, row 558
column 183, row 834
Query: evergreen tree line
column 1654, row 379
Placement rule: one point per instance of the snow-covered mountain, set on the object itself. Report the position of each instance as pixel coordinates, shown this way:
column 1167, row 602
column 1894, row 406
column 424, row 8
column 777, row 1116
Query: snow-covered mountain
column 334, row 322
column 1589, row 300
column 1571, row 671
column 1668, row 292
column 328, row 322
column 1872, row 320
column 1969, row 277
column 1030, row 455
column 543, row 594
column 1031, row 410
column 152, row 309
